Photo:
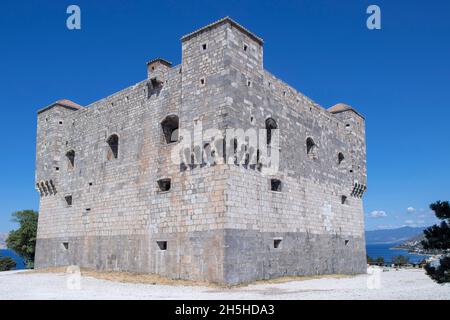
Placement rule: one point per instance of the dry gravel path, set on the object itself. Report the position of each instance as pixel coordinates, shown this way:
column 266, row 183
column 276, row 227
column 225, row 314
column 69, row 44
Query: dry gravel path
column 402, row 284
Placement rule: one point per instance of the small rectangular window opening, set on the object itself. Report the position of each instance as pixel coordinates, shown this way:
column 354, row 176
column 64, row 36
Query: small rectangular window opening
column 164, row 184
column 65, row 245
column 346, row 242
column 202, row 81
column 204, row 46
column 162, row 245
column 68, row 200
column 343, row 199
column 275, row 185
column 245, row 47
column 277, row 243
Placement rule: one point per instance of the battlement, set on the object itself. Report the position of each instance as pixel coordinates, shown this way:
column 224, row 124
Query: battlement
column 225, row 20
column 342, row 107
column 70, row 105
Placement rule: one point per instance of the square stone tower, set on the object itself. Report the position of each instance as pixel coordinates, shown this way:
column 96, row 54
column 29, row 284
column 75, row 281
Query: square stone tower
column 114, row 198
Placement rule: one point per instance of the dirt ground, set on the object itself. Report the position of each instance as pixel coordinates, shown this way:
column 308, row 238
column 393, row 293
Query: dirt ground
column 68, row 284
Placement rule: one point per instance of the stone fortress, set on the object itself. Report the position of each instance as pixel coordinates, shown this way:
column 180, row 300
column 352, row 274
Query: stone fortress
column 111, row 198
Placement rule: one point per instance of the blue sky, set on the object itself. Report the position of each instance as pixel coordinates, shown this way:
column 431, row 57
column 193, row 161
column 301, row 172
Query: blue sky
column 398, row 77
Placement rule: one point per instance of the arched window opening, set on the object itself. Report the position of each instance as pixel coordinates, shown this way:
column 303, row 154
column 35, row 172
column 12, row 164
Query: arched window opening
column 70, row 155
column 311, row 149
column 170, row 128
column 113, row 147
column 340, row 157
column 270, row 125
column 206, row 155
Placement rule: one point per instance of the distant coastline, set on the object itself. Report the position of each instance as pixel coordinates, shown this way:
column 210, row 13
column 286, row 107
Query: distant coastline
column 387, row 251
column 414, row 245
column 406, row 241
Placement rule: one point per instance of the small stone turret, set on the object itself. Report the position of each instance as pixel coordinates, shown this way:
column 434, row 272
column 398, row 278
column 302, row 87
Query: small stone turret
column 157, row 69
column 352, row 118
column 355, row 135
column 52, row 122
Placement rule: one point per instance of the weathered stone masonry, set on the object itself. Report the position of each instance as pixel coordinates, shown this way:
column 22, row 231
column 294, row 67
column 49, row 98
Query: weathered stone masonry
column 111, row 198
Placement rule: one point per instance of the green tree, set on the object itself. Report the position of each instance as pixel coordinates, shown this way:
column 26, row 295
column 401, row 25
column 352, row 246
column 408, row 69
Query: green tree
column 369, row 259
column 438, row 237
column 380, row 260
column 7, row 263
column 439, row 273
column 400, row 260
column 23, row 240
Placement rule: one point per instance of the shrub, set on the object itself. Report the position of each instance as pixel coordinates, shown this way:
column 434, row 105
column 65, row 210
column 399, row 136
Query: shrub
column 7, row 263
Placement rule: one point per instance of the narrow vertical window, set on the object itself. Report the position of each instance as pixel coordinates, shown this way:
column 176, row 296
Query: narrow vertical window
column 340, row 157
column 113, row 147
column 270, row 125
column 311, row 149
column 70, row 156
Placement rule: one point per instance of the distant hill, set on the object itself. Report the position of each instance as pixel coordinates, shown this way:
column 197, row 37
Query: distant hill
column 393, row 236
column 3, row 237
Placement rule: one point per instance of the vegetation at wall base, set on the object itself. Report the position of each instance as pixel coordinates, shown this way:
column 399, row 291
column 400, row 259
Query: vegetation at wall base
column 400, row 260
column 23, row 240
column 441, row 273
column 7, row 263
